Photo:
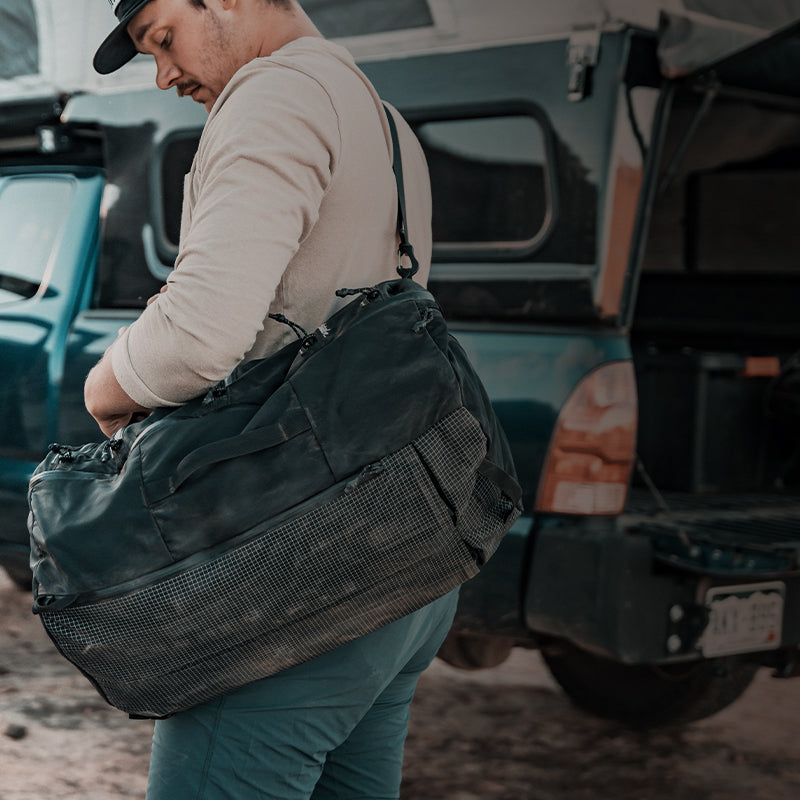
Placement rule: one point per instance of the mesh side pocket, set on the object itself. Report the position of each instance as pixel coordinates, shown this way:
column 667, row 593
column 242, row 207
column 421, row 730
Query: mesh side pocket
column 452, row 451
column 382, row 549
column 489, row 514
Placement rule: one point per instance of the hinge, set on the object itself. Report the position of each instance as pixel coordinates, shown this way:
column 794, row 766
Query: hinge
column 582, row 55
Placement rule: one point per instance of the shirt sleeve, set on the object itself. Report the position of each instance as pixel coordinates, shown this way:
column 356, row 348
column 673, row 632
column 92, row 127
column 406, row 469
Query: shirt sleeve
column 264, row 164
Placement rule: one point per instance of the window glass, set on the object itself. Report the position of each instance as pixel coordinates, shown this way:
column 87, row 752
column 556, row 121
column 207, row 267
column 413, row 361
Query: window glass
column 489, row 177
column 489, row 181
column 176, row 161
column 32, row 215
column 339, row 18
column 19, row 40
column 730, row 201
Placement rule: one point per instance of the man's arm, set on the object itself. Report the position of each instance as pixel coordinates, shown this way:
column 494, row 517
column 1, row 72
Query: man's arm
column 106, row 401
column 262, row 169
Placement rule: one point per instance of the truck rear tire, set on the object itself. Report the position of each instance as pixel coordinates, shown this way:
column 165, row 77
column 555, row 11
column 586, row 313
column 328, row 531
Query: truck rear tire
column 474, row 652
column 20, row 574
column 645, row 696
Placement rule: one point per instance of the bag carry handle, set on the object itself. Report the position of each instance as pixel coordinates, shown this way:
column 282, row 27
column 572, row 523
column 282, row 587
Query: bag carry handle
column 405, row 248
column 243, row 444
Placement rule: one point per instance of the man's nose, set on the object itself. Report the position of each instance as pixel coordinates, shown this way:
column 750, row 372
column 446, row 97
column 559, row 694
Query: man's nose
column 167, row 73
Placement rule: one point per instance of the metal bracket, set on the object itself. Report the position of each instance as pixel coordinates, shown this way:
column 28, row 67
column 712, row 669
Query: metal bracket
column 583, row 52
column 686, row 623
column 709, row 96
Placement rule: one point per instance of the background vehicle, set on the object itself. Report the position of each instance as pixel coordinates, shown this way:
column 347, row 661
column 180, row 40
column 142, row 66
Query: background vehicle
column 616, row 233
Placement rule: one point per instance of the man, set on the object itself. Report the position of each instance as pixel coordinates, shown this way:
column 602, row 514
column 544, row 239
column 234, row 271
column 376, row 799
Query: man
column 291, row 196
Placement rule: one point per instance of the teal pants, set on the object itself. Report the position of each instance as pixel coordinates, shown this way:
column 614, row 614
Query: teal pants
column 333, row 727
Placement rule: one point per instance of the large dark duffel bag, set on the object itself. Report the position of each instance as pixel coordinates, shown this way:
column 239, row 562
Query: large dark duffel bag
column 315, row 496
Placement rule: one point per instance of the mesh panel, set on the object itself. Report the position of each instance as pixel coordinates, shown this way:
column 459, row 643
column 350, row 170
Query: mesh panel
column 479, row 525
column 451, row 450
column 385, row 547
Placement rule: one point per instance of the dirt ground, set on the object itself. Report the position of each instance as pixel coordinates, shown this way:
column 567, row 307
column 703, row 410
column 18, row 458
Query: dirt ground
column 501, row 734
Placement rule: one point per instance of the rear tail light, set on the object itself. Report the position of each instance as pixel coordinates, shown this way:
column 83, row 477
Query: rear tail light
column 588, row 466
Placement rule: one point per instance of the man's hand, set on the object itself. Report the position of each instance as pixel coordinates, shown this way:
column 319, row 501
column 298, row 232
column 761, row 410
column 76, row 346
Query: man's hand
column 107, row 402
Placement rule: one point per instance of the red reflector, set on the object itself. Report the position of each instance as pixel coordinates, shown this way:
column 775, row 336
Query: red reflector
column 589, row 461
column 761, row 367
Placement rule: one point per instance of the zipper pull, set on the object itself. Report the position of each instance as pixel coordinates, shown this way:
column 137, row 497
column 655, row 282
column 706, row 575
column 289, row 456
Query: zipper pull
column 62, row 452
column 110, row 448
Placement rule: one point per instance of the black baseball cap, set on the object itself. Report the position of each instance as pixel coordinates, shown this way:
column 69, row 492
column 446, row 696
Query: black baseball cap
column 118, row 48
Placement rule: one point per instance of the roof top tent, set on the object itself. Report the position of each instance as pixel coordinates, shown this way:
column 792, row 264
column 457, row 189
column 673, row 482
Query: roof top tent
column 46, row 45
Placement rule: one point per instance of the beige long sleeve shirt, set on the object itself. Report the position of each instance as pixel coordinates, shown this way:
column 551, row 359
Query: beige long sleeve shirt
column 291, row 196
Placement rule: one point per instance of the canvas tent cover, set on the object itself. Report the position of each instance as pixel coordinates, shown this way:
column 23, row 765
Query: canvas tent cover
column 47, row 45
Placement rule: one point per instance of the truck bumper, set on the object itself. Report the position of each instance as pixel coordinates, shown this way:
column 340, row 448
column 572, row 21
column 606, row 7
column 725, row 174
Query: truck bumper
column 611, row 587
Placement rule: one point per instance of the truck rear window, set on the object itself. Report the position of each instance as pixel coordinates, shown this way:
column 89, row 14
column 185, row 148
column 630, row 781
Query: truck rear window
column 728, row 201
column 490, row 182
column 721, row 255
column 176, row 161
column 32, row 216
column 489, row 177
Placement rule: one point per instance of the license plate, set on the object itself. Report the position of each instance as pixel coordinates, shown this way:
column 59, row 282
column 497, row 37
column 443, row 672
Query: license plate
column 743, row 619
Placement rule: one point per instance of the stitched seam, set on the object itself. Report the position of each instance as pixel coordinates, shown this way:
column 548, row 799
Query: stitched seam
column 313, row 428
column 149, row 508
column 210, row 752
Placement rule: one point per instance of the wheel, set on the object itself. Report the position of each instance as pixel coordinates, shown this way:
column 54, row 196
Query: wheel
column 647, row 695
column 474, row 652
column 20, row 574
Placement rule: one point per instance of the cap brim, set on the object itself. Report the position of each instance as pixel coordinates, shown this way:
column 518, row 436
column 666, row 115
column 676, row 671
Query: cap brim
column 116, row 51
column 118, row 48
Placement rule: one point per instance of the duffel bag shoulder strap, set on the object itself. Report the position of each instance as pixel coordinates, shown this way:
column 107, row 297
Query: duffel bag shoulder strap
column 405, row 248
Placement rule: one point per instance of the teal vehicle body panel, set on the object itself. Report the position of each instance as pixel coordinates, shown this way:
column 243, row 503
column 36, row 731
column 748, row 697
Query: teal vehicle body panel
column 529, row 374
column 33, row 332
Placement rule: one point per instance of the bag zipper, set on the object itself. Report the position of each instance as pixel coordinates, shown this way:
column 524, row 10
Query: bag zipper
column 212, row 553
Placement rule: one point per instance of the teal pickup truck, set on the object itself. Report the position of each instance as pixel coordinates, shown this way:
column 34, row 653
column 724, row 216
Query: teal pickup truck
column 616, row 235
